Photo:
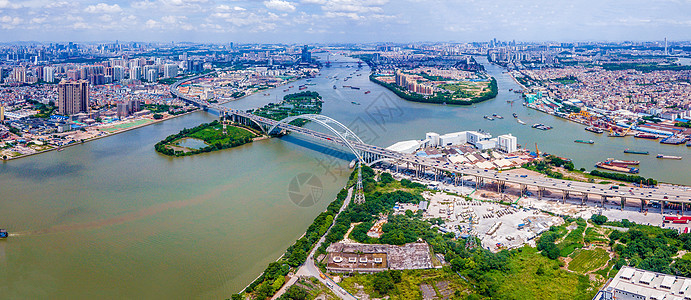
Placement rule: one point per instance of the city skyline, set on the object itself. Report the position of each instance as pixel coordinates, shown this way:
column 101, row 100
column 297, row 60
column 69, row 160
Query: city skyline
column 309, row 21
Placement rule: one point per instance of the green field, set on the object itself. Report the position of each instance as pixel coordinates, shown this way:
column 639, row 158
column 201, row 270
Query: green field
column 409, row 287
column 589, row 260
column 214, row 134
column 127, row 125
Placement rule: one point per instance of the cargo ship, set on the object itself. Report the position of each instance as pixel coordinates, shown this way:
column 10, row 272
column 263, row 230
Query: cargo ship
column 636, row 152
column 607, row 166
column 668, row 156
column 541, row 126
column 643, row 135
column 622, row 163
column 594, row 129
column 673, row 140
column 3, row 234
column 355, row 103
column 354, row 87
column 584, row 142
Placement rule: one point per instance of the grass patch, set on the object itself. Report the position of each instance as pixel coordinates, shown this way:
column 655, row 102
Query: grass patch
column 409, row 287
column 534, row 276
column 588, row 260
column 573, row 240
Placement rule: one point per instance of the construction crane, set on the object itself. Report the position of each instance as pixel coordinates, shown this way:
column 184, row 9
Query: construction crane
column 537, row 151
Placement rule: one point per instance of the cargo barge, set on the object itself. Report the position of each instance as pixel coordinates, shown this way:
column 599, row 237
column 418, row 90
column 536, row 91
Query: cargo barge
column 673, row 140
column 668, row 156
column 610, row 167
column 594, row 129
column 642, row 135
column 636, row 152
column 622, row 163
column 590, row 142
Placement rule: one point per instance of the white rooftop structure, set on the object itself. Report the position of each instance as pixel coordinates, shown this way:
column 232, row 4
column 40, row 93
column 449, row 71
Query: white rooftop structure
column 633, row 283
column 408, row 147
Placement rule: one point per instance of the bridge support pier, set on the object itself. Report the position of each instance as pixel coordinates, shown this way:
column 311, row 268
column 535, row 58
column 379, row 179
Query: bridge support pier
column 524, row 189
column 662, row 207
column 540, row 193
column 604, row 199
column 564, row 195
column 584, row 198
column 642, row 204
column 623, row 203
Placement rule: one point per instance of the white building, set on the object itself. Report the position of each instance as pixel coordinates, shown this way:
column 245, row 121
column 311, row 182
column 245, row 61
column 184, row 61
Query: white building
column 633, row 283
column 507, row 143
column 455, row 138
column 135, row 73
column 432, row 138
column 151, row 75
column 170, row 71
column 48, row 74
column 475, row 137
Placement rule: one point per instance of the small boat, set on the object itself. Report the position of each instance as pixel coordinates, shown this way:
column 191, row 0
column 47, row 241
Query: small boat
column 688, row 144
column 354, row 87
column 488, row 118
column 3, row 234
column 520, row 122
column 668, row 156
column 541, row 126
column 636, row 152
column 60, row 149
column 515, row 115
column 590, row 142
column 497, row 116
column 616, row 134
column 352, row 163
column 334, row 86
column 367, row 92
column 355, row 103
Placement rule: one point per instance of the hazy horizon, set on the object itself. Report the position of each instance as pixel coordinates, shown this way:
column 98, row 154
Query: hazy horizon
column 342, row 21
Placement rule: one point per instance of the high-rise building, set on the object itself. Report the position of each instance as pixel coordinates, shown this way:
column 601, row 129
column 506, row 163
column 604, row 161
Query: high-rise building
column 73, row 96
column 73, row 74
column 170, row 71
column 306, row 56
column 2, row 114
column 118, row 73
column 48, row 74
column 19, row 74
column 151, row 75
column 135, row 73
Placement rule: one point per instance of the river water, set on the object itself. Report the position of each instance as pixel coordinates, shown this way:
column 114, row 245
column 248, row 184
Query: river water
column 113, row 219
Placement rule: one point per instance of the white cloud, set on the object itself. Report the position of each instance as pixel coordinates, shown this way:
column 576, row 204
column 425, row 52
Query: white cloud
column 224, row 7
column 103, row 8
column 279, row 5
column 152, row 24
column 7, row 4
column 7, row 22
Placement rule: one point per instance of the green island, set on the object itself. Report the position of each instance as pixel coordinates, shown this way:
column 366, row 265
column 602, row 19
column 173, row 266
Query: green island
column 457, row 93
column 223, row 134
column 204, row 138
column 296, row 104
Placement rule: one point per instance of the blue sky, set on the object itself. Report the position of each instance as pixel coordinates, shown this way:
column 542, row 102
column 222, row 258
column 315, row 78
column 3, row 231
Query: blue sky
column 268, row 21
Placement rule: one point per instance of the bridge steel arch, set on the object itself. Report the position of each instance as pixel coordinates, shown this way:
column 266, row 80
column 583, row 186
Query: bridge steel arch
column 236, row 118
column 326, row 121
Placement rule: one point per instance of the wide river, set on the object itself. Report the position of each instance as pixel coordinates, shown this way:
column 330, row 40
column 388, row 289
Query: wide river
column 113, row 219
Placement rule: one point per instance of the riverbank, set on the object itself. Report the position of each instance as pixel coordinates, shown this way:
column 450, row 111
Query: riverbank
column 106, row 134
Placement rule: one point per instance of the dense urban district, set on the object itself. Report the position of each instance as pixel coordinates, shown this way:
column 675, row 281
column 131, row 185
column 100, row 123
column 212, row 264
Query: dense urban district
column 430, row 230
